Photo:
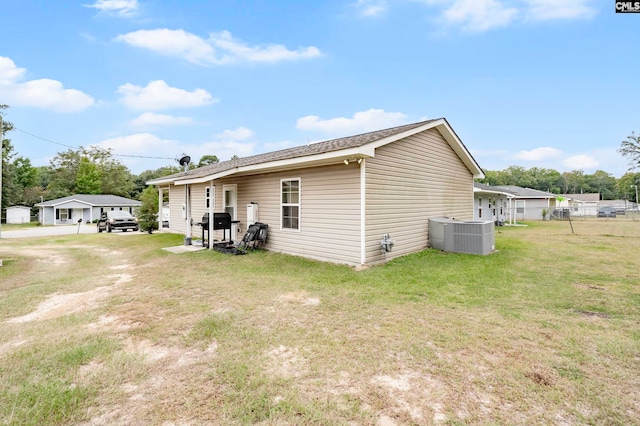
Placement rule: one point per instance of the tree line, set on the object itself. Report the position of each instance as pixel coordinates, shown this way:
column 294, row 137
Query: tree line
column 573, row 182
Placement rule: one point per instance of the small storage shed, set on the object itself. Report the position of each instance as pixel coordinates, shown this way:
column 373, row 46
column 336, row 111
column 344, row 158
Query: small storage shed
column 18, row 214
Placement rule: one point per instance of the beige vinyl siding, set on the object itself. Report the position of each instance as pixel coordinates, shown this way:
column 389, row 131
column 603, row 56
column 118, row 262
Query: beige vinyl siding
column 198, row 208
column 329, row 211
column 176, row 200
column 408, row 182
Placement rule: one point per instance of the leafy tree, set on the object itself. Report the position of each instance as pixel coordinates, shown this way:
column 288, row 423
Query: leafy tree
column 603, row 183
column 140, row 181
column 573, row 181
column 625, row 186
column 630, row 148
column 494, row 178
column 9, row 189
column 25, row 172
column 148, row 213
column 88, row 179
column 546, row 179
column 114, row 177
column 205, row 160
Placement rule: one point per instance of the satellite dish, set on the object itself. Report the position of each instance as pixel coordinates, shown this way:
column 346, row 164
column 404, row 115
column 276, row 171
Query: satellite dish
column 185, row 160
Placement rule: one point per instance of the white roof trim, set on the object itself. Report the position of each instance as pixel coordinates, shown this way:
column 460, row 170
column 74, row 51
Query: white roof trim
column 489, row 191
column 67, row 201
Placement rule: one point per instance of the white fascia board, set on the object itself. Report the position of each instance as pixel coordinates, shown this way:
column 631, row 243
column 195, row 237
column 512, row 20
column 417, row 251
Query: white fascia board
column 71, row 201
column 206, row 178
column 160, row 181
column 488, row 191
column 359, row 152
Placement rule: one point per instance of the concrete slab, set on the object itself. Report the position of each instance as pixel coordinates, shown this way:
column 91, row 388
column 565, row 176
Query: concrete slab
column 184, row 249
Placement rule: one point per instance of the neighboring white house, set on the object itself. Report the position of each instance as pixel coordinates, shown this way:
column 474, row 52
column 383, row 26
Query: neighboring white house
column 581, row 204
column 69, row 210
column 335, row 200
column 520, row 203
column 494, row 204
column 18, row 214
column 529, row 204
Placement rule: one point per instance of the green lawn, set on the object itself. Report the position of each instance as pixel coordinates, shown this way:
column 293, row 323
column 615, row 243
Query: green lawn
column 110, row 329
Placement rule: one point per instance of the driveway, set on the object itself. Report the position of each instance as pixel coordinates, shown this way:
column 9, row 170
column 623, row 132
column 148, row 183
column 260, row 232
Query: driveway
column 47, row 231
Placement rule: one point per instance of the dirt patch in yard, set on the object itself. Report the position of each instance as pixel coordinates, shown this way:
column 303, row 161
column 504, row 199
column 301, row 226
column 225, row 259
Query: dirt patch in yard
column 65, row 304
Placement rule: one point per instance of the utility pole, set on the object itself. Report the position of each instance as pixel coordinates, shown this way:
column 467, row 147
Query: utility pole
column 1, row 161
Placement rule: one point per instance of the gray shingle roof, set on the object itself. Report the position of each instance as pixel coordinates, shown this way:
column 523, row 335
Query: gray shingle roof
column 296, row 152
column 518, row 191
column 590, row 197
column 94, row 200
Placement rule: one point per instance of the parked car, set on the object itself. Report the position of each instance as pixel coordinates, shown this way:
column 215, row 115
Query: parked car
column 117, row 219
column 607, row 211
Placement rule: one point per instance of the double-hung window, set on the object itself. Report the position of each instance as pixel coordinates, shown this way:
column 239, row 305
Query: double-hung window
column 290, row 203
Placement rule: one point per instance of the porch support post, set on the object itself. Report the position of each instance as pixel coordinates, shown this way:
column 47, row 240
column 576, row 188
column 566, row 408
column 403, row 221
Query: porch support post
column 160, row 198
column 212, row 203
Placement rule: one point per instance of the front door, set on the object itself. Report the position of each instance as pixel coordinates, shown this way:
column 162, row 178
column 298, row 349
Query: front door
column 231, row 206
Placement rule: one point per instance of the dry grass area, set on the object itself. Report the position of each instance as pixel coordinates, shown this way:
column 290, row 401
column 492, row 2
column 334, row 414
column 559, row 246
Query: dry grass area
column 110, row 329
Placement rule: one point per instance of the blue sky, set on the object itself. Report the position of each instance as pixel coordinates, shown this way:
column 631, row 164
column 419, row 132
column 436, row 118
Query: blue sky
column 534, row 83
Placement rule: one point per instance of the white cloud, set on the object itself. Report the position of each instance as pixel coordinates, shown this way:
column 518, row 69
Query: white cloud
column 581, row 162
column 159, row 95
column 124, row 8
column 223, row 149
column 151, row 119
column 220, row 48
column 484, row 15
column 541, row 10
column 371, row 8
column 239, row 134
column 172, row 43
column 538, row 154
column 238, row 51
column 141, row 144
column 223, row 145
column 227, row 144
column 42, row 93
column 479, row 15
column 361, row 122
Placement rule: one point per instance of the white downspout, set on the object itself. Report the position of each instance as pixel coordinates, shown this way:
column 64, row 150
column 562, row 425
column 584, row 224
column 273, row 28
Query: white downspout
column 212, row 202
column 363, row 204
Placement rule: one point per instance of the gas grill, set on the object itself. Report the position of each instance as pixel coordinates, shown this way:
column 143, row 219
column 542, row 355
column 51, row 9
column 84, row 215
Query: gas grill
column 221, row 221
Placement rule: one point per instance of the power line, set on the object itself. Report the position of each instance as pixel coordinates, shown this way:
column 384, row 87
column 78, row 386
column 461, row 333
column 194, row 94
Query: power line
column 76, row 147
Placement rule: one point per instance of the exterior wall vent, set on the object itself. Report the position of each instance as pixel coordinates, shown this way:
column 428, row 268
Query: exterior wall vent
column 473, row 237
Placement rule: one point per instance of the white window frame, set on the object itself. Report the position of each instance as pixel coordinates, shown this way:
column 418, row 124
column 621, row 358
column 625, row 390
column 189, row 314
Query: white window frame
column 298, row 205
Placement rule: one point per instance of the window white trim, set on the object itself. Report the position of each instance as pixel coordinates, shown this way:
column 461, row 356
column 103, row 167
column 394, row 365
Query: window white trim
column 234, row 189
column 298, row 204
